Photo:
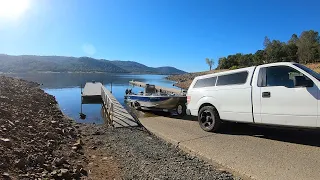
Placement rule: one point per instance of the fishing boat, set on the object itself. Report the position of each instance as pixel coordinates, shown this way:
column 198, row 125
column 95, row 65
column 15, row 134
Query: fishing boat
column 151, row 99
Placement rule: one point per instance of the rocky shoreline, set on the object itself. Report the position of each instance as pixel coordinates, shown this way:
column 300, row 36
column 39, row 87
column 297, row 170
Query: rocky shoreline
column 36, row 139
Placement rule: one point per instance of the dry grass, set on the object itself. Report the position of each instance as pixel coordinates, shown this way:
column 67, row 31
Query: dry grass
column 314, row 66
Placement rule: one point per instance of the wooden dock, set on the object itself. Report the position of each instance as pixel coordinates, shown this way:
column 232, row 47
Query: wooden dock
column 92, row 89
column 115, row 113
column 158, row 88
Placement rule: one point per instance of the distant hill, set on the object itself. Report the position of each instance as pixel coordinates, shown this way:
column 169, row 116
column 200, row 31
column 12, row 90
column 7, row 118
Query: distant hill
column 140, row 68
column 133, row 67
column 29, row 63
column 169, row 70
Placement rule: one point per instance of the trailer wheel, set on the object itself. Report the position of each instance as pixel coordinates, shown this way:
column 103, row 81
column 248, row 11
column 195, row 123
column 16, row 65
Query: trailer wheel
column 209, row 119
column 136, row 105
column 181, row 109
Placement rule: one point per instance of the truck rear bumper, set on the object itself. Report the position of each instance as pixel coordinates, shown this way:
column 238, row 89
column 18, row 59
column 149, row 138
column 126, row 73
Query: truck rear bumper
column 188, row 112
column 192, row 112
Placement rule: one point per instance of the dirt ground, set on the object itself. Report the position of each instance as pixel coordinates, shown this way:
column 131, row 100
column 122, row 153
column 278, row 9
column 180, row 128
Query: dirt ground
column 134, row 153
column 101, row 164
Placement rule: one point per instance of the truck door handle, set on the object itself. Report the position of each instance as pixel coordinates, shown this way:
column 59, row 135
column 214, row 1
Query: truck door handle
column 266, row 94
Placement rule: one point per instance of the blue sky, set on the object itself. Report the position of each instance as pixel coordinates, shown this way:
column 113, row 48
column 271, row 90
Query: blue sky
column 179, row 33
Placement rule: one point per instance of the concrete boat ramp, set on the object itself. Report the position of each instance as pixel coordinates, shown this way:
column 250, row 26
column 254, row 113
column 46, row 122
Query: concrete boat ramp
column 115, row 113
column 247, row 151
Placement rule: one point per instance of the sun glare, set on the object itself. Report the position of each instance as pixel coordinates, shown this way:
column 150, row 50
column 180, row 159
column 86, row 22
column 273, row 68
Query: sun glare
column 13, row 8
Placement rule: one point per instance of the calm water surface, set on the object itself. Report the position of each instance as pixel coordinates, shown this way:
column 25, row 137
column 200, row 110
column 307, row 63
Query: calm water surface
column 66, row 88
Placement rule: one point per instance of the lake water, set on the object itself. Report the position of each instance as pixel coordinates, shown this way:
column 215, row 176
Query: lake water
column 66, row 89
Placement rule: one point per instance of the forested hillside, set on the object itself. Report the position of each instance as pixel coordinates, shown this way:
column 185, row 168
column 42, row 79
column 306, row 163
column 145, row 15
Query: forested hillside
column 304, row 49
column 135, row 67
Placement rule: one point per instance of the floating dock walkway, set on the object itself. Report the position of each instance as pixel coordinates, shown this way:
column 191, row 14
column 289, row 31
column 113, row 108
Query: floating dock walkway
column 158, row 88
column 116, row 114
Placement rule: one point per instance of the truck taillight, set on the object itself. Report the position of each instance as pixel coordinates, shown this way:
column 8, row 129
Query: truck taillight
column 188, row 99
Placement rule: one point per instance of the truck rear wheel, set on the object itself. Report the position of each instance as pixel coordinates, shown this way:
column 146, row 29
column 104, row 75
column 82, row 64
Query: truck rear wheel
column 209, row 119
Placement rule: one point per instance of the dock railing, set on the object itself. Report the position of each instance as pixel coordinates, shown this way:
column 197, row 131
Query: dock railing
column 108, row 105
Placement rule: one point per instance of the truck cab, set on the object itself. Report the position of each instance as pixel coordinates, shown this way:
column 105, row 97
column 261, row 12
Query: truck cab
column 277, row 94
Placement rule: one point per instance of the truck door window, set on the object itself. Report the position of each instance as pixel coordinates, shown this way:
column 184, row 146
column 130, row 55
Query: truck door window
column 281, row 76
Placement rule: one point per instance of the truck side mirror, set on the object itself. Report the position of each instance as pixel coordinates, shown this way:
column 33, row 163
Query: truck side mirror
column 301, row 81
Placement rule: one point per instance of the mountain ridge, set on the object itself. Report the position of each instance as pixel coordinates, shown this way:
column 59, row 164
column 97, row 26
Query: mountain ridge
column 34, row 63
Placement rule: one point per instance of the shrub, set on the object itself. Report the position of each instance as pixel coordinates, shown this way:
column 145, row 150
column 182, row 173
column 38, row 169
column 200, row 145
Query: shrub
column 234, row 67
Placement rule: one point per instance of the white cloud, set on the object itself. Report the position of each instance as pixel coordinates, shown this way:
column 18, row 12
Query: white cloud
column 89, row 49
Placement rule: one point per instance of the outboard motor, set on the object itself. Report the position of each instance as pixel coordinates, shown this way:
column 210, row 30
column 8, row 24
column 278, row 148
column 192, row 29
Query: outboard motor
column 150, row 89
column 128, row 91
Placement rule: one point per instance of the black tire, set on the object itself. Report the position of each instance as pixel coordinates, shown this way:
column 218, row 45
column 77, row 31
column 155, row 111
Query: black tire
column 181, row 109
column 136, row 105
column 209, row 119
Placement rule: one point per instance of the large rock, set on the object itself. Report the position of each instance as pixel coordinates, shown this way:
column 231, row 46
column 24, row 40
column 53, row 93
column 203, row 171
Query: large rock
column 65, row 173
column 20, row 163
column 6, row 142
column 77, row 145
column 50, row 135
column 40, row 159
column 60, row 161
column 6, row 175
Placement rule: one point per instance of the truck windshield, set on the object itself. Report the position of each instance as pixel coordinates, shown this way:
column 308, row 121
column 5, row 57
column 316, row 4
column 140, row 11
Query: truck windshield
column 311, row 72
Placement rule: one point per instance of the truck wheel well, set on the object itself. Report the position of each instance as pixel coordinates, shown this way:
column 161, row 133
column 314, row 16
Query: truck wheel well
column 208, row 104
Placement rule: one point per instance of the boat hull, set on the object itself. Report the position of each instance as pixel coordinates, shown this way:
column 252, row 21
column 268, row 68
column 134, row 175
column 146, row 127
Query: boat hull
column 158, row 102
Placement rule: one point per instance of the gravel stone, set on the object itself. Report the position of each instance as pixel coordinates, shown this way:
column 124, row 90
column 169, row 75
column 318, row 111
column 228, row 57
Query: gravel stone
column 28, row 136
column 144, row 156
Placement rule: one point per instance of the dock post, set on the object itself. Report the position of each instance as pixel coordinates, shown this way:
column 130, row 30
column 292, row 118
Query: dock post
column 81, row 109
column 82, row 116
column 81, row 98
column 111, row 87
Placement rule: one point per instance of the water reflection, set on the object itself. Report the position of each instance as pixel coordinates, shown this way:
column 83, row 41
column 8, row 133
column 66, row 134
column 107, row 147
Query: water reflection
column 65, row 80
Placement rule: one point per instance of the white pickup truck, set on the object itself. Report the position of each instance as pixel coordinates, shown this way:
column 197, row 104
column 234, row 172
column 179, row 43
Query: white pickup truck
column 277, row 94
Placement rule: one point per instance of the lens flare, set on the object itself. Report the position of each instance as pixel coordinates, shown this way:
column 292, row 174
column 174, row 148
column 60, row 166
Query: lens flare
column 13, row 8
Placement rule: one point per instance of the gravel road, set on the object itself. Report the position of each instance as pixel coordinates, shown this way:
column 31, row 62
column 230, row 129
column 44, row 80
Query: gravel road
column 143, row 156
